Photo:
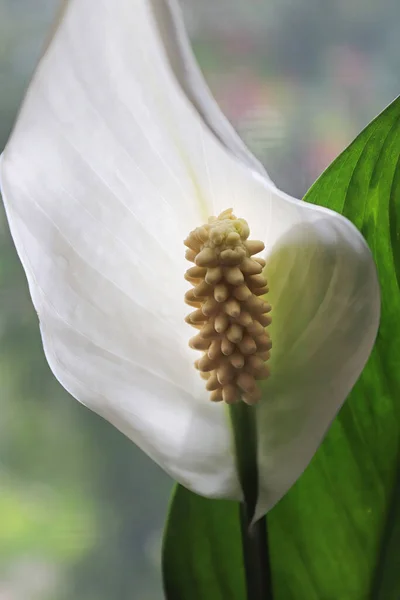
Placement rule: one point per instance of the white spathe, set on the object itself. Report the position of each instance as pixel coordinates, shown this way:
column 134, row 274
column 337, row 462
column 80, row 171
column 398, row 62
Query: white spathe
column 118, row 152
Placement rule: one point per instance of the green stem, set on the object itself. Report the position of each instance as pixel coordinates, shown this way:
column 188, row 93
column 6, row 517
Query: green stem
column 256, row 557
column 254, row 535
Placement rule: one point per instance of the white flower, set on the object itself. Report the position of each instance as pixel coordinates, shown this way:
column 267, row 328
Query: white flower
column 118, row 152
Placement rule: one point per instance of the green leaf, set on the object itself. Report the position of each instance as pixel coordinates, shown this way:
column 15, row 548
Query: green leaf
column 335, row 535
column 202, row 553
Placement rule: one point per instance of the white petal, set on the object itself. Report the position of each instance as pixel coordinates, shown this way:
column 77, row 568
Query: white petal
column 326, row 307
column 101, row 187
column 110, row 350
column 107, row 170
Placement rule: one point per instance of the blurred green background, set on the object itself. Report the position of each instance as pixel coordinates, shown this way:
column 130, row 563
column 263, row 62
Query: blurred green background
column 81, row 509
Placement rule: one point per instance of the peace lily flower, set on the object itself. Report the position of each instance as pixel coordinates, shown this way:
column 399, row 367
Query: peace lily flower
column 119, row 152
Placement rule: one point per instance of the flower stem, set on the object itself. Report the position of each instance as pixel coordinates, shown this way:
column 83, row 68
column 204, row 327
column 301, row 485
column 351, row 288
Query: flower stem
column 256, row 557
column 254, row 534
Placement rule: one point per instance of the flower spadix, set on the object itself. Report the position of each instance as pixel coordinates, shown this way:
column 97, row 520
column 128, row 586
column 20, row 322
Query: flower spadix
column 230, row 315
column 118, row 153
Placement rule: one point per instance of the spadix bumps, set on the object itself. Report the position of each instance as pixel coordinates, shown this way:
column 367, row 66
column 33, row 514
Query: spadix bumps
column 231, row 315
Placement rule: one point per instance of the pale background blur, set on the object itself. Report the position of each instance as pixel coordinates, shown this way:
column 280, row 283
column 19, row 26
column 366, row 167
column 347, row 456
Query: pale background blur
column 81, row 510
